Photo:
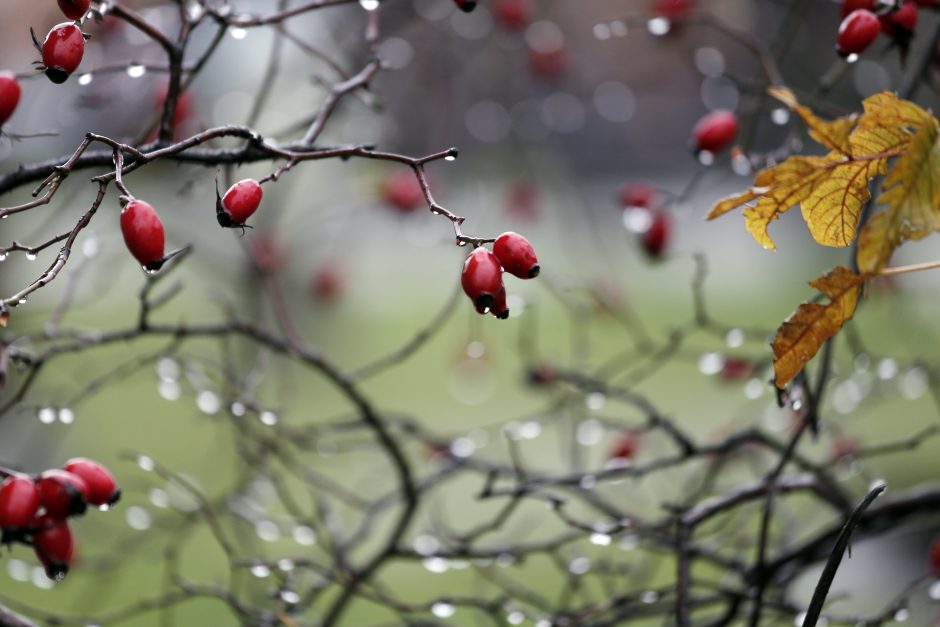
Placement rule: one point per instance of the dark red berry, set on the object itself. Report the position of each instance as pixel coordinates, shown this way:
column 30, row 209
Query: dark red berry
column 143, row 233
column 656, row 237
column 54, row 545
column 466, row 5
column 625, row 447
column 327, row 283
column 9, row 96
column 62, row 51
column 513, row 14
column 672, row 9
column 516, row 255
column 852, row 5
column 935, row 555
column 736, row 368
column 102, row 488
column 63, row 494
column 240, row 201
column 637, row 195
column 482, row 278
column 716, row 131
column 900, row 24
column 74, row 9
column 403, row 192
column 857, row 31
column 499, row 307
column 19, row 500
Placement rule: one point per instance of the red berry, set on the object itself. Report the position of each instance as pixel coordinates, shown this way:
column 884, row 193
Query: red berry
column 900, row 24
column 54, row 545
column 9, row 96
column 548, row 63
column 736, row 368
column 672, row 9
column 403, row 191
column 240, row 201
column 625, row 447
column 516, row 255
column 513, row 14
column 466, row 5
column 62, row 51
column 637, row 195
column 267, row 252
column 102, row 488
column 656, row 237
column 852, row 5
column 328, row 283
column 499, row 307
column 935, row 555
column 74, row 9
column 857, row 32
column 716, row 131
column 482, row 278
column 19, row 500
column 63, row 494
column 143, row 233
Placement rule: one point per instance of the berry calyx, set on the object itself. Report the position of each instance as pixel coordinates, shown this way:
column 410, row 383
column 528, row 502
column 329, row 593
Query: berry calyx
column 62, row 51
column 9, row 96
column 513, row 14
column 466, row 5
column 655, row 239
column 499, row 308
column 857, row 31
column 402, row 191
column 74, row 9
column 716, row 131
column 240, row 201
column 103, row 490
column 516, row 255
column 143, row 234
column 637, row 195
column 54, row 545
column 19, row 501
column 63, row 494
column 482, row 278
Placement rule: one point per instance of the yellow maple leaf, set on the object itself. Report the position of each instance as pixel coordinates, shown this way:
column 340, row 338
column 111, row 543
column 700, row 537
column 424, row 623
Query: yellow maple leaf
column 801, row 335
column 912, row 196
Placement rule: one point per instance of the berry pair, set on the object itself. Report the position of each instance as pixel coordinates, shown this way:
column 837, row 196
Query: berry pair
column 482, row 276
column 653, row 225
column 34, row 510
column 864, row 19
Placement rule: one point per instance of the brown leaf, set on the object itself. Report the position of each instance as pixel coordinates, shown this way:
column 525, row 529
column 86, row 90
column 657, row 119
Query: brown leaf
column 801, row 335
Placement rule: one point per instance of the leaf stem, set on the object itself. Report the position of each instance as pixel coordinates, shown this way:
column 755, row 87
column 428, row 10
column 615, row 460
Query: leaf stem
column 916, row 267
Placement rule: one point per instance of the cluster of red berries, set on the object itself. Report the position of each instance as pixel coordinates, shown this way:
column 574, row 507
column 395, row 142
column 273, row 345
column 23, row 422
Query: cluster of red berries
column 652, row 224
column 34, row 510
column 143, row 230
column 863, row 20
column 482, row 276
column 64, row 46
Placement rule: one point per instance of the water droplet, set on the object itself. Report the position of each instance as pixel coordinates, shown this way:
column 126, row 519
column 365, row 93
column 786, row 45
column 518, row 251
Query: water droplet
column 529, row 430
column 304, row 535
column 268, row 418
column 159, row 498
column 21, row 301
column 711, row 363
column 649, row 597
column 443, row 609
column 170, row 390
column 369, row 5
column 145, row 463
column 588, row 482
column 138, row 518
column 30, row 256
column 136, row 70
column 706, row 157
column 267, row 530
column 425, row 545
column 237, row 409
column 902, row 615
column 595, row 401
column 602, row 31
column 629, row 542
column 450, row 157
column 290, row 597
column 600, row 539
column 659, row 26
column 3, row 256
column 238, row 33
column 436, row 565
column 260, row 571
column 852, row 58
column 168, row 368
column 46, row 415
column 589, row 432
column 461, row 243
column 285, row 565
column 208, row 402
column 18, row 570
column 753, row 388
column 515, row 618
column 475, row 349
column 734, row 338
column 85, row 79
column 780, row 116
column 914, row 383
column 934, row 590
column 462, row 447
column 66, row 416
column 887, row 369
column 579, row 566
column 90, row 247
column 41, row 581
